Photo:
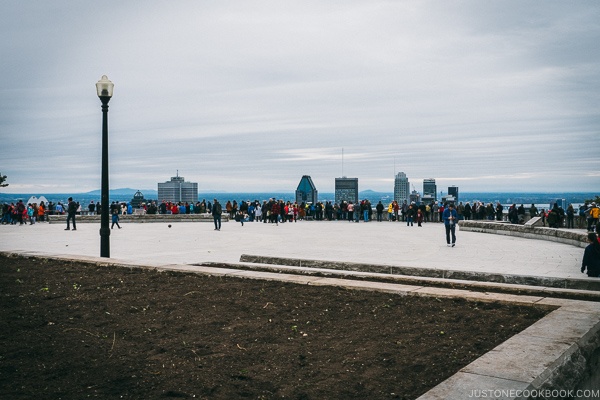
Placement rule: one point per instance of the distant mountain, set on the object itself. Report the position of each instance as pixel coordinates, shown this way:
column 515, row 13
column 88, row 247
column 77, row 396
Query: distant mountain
column 148, row 193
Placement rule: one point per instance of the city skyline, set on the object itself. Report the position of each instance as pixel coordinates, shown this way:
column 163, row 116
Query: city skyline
column 249, row 96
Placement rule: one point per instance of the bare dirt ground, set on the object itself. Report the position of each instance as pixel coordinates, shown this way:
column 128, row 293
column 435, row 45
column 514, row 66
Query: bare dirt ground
column 77, row 330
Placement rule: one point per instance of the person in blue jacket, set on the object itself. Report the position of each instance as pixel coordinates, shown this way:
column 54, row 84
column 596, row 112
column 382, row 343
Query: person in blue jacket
column 450, row 218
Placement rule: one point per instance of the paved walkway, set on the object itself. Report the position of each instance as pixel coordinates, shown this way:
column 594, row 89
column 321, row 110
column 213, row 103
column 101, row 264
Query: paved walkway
column 390, row 243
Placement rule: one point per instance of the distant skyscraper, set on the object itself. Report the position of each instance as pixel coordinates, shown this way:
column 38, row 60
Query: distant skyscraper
column 401, row 188
column 306, row 191
column 178, row 190
column 346, row 189
column 430, row 189
column 453, row 191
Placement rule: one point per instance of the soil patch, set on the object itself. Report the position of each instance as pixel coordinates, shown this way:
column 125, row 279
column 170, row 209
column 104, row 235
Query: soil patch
column 74, row 330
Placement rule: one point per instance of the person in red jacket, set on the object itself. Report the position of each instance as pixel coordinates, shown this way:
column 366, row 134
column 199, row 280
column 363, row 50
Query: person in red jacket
column 275, row 210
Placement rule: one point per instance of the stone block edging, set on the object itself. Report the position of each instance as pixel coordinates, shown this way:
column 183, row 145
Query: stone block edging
column 549, row 282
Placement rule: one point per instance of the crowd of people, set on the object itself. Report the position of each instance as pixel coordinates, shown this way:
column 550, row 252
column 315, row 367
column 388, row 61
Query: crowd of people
column 19, row 213
column 278, row 211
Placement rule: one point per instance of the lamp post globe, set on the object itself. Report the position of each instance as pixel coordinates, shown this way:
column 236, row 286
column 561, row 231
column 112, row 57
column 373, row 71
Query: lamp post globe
column 104, row 89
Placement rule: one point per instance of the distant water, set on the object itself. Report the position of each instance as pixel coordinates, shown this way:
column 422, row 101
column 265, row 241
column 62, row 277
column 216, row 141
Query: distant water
column 542, row 200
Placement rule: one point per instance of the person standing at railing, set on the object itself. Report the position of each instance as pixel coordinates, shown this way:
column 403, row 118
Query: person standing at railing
column 379, row 209
column 350, row 209
column 570, row 217
column 499, row 209
column 533, row 211
column 216, row 213
column 467, row 211
column 91, row 208
column 41, row 211
column 594, row 213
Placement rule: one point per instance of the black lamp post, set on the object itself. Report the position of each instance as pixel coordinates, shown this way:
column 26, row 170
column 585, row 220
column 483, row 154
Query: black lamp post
column 104, row 87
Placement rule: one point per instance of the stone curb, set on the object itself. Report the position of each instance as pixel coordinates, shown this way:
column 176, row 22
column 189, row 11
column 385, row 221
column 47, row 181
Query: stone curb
column 587, row 295
column 527, row 231
column 555, row 353
column 528, row 280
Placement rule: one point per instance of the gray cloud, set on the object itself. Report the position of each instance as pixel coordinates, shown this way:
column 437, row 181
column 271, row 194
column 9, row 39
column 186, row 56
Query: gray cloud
column 252, row 95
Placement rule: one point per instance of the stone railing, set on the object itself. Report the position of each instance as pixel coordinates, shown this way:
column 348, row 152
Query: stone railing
column 141, row 218
column 529, row 230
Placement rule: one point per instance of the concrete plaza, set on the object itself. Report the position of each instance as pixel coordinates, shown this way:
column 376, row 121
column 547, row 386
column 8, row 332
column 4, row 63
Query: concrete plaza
column 387, row 243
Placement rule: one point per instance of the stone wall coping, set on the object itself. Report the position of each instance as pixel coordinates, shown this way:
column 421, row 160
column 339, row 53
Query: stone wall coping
column 140, row 218
column 574, row 237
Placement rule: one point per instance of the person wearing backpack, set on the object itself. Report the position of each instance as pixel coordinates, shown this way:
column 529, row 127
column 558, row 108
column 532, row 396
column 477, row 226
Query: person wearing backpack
column 217, row 210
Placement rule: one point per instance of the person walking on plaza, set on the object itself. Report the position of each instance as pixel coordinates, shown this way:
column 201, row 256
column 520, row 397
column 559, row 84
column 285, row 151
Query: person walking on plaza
column 115, row 217
column 450, row 217
column 216, row 213
column 71, row 211
column 419, row 217
column 591, row 257
column 410, row 215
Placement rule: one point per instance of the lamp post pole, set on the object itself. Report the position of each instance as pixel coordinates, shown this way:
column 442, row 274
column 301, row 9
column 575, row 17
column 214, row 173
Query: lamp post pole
column 104, row 88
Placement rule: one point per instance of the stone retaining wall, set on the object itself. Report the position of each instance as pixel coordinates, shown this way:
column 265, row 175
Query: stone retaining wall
column 140, row 218
column 529, row 231
column 440, row 273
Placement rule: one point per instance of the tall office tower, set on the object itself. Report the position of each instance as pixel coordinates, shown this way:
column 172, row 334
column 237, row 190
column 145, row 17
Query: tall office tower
column 401, row 188
column 429, row 189
column 177, row 189
column 346, row 189
column 453, row 191
column 306, row 191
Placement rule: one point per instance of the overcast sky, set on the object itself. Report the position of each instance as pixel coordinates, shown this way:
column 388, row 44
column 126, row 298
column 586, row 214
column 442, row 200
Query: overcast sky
column 251, row 95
